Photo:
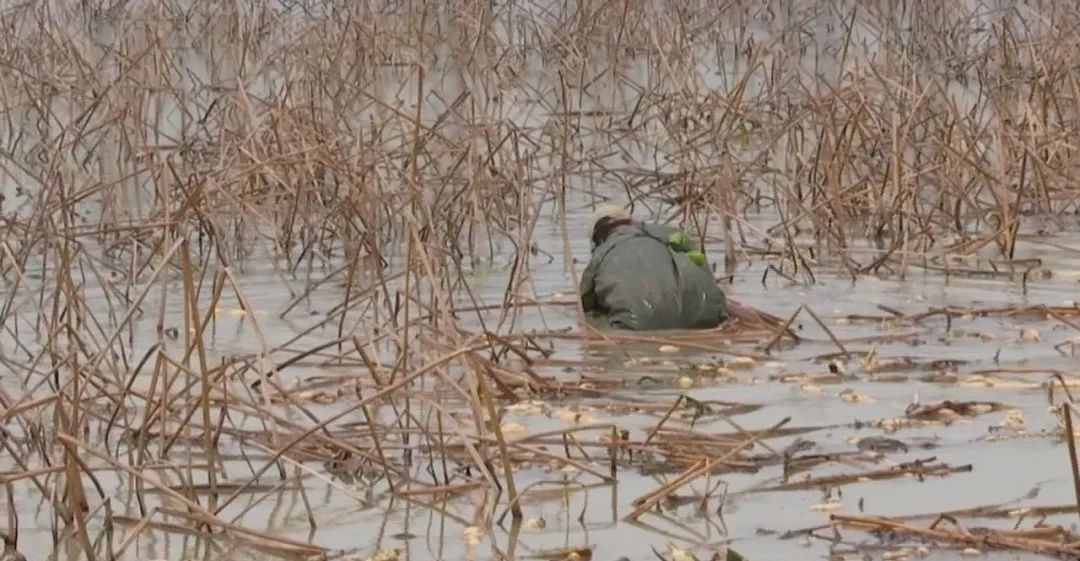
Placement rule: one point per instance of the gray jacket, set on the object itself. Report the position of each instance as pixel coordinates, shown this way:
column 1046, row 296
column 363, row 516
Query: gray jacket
column 638, row 282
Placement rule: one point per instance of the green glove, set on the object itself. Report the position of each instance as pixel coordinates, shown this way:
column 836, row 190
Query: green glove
column 680, row 242
column 697, row 257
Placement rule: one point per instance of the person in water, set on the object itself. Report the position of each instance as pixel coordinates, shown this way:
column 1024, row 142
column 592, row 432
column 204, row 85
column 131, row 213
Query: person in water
column 645, row 276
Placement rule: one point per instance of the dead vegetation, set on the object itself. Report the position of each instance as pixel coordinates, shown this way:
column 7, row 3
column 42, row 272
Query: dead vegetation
column 242, row 244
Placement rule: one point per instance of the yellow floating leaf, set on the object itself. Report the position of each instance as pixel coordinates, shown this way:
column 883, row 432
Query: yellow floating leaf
column 513, row 428
column 827, row 506
column 680, row 554
column 472, row 535
column 852, row 396
column 742, row 362
column 386, row 555
column 527, row 408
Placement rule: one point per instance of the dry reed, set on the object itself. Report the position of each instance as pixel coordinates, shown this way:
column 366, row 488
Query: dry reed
column 331, row 178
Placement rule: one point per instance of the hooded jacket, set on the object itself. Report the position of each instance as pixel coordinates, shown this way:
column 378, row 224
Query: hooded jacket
column 638, row 281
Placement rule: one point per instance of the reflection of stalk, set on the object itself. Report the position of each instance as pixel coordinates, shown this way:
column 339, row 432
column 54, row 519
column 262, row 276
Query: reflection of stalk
column 728, row 203
column 1066, row 412
column 10, row 553
column 508, row 470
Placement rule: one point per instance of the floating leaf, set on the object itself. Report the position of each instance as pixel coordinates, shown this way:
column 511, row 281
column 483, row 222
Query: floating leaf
column 472, row 535
column 528, row 408
column 827, row 506
column 513, row 428
column 1030, row 336
column 579, row 554
column 1014, row 420
column 386, row 555
column 881, row 444
column 680, row 554
column 851, row 396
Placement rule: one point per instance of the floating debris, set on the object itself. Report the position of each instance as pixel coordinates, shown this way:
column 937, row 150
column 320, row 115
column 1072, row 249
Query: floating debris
column 741, row 363
column 801, row 378
column 529, row 408
column 513, row 428
column 680, row 554
column 568, row 554
column 918, row 469
column 852, row 396
column 830, row 505
column 386, row 555
column 950, row 411
column 582, row 554
column 1049, row 540
column 881, row 444
column 1014, row 420
column 472, row 535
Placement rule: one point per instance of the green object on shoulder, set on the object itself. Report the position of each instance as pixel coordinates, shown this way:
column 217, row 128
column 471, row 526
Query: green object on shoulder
column 682, row 243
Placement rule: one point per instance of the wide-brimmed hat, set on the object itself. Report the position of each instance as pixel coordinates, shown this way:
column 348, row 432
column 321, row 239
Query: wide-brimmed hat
column 611, row 211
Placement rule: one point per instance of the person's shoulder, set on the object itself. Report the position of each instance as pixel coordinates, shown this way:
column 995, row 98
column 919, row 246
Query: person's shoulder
column 657, row 227
column 662, row 231
column 619, row 238
column 624, row 232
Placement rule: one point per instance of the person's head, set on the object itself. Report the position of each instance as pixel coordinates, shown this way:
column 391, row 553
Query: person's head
column 605, row 219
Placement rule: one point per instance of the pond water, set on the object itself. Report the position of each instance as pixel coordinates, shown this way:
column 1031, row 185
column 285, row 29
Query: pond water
column 964, row 357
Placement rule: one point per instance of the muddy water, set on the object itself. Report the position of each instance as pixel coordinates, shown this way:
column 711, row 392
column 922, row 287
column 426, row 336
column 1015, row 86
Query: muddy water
column 1026, row 470
column 1005, row 469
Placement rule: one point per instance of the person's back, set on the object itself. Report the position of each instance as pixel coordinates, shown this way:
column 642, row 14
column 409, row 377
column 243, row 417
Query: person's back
column 639, row 282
